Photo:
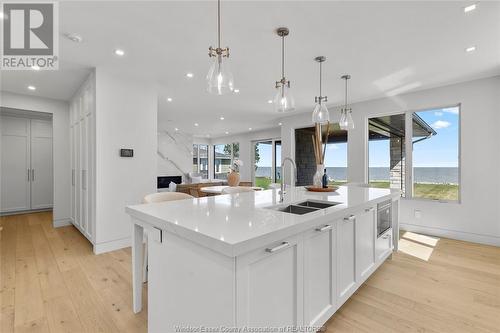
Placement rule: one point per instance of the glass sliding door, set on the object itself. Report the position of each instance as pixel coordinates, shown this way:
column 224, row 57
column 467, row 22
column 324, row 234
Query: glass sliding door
column 267, row 161
column 277, row 161
column 386, row 152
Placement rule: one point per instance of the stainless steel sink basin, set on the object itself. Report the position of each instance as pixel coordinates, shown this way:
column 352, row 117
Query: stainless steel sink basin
column 317, row 204
column 293, row 209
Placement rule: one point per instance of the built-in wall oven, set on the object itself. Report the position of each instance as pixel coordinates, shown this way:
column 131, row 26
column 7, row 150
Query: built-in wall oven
column 384, row 217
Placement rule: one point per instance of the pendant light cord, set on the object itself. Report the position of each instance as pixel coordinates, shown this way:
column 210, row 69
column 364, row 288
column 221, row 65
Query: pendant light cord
column 283, row 56
column 218, row 23
column 320, row 70
column 345, row 106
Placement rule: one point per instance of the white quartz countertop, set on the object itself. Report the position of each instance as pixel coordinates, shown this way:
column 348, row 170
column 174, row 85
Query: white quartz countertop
column 238, row 223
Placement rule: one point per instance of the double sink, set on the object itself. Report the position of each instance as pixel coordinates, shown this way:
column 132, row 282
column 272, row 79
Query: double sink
column 304, row 207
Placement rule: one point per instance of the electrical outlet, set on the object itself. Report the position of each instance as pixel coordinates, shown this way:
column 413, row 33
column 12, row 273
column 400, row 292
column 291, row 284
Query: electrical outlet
column 418, row 214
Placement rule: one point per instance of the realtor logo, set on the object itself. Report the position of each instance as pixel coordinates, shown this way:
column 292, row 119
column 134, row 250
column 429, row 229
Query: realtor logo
column 30, row 36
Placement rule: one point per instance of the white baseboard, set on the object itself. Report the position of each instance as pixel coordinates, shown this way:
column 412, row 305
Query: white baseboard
column 459, row 235
column 112, row 245
column 62, row 222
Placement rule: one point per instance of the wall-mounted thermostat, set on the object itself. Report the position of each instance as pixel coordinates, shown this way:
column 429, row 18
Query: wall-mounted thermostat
column 126, row 153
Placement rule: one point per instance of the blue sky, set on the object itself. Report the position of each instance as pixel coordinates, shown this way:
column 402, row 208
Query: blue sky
column 440, row 150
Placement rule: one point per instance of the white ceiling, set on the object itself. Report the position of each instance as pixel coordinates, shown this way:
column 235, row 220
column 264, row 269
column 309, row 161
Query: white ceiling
column 388, row 48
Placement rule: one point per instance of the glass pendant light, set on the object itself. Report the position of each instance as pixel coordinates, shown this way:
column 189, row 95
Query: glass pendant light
column 346, row 122
column 219, row 77
column 283, row 100
column 320, row 113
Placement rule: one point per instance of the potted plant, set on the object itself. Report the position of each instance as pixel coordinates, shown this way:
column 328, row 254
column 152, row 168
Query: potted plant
column 233, row 178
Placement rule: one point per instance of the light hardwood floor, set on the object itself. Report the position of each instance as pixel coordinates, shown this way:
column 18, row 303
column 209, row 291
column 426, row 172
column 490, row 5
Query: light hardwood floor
column 50, row 281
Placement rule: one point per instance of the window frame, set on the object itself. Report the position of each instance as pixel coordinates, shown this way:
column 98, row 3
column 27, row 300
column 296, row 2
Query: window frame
column 212, row 167
column 273, row 162
column 198, row 159
column 409, row 150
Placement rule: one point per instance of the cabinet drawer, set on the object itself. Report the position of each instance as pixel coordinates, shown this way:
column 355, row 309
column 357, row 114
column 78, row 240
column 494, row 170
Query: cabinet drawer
column 383, row 245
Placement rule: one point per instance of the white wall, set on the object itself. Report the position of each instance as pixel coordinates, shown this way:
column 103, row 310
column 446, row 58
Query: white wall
column 477, row 217
column 126, row 117
column 245, row 140
column 61, row 149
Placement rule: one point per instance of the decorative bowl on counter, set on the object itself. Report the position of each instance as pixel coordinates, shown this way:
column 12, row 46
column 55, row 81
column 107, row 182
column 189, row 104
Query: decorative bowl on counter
column 330, row 188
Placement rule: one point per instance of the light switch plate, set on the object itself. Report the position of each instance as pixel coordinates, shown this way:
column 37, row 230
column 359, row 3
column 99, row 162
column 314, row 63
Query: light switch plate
column 418, row 214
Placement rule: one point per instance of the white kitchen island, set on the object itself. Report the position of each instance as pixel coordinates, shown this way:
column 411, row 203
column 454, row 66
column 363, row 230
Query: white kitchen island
column 217, row 263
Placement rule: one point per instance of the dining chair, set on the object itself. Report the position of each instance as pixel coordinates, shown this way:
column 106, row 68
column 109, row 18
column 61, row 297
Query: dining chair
column 237, row 189
column 155, row 198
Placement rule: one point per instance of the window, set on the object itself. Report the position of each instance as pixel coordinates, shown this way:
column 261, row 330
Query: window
column 200, row 160
column 336, row 155
column 386, row 151
column 436, row 157
column 224, row 154
column 434, row 151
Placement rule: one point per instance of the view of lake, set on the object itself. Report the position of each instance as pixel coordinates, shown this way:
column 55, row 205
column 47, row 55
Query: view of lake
column 422, row 175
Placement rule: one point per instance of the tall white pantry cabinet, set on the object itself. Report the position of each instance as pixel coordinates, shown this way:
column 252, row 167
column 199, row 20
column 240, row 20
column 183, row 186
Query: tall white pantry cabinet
column 82, row 136
column 26, row 162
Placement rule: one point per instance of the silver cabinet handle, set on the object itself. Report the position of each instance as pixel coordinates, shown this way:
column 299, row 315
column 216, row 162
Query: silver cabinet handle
column 32, row 175
column 324, row 228
column 350, row 218
column 279, row 247
column 29, row 175
column 73, row 177
column 371, row 209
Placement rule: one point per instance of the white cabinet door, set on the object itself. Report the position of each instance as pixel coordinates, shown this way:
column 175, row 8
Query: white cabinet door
column 72, row 157
column 365, row 244
column 319, row 274
column 85, row 166
column 269, row 285
column 346, row 254
column 42, row 183
column 15, row 164
column 383, row 246
column 78, row 183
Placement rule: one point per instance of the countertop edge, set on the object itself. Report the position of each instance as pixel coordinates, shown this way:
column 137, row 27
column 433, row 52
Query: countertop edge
column 237, row 249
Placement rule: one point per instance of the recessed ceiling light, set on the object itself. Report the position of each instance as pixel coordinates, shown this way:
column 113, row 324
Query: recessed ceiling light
column 31, row 87
column 176, row 129
column 208, row 135
column 470, row 8
column 470, row 49
column 227, row 132
column 74, row 37
column 221, row 118
column 249, row 128
column 279, row 124
column 169, row 99
column 189, row 75
column 270, row 101
column 236, row 90
column 35, row 67
column 119, row 52
column 196, row 124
